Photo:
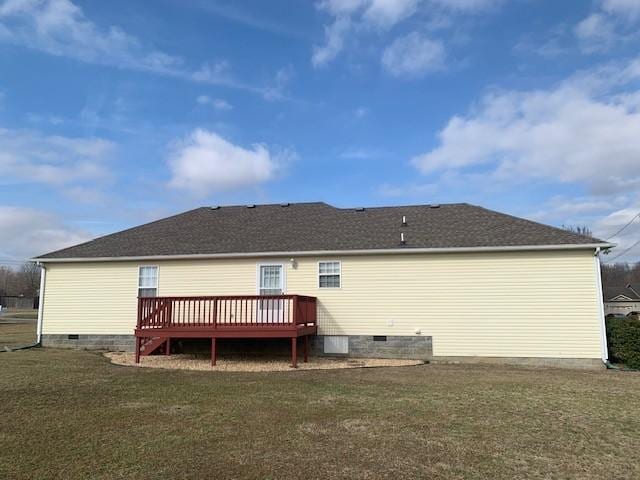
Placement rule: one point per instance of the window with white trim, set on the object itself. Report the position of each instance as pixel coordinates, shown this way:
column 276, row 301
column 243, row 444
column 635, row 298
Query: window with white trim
column 329, row 274
column 147, row 281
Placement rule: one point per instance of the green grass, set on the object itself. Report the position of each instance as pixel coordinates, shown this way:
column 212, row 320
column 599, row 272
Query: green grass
column 69, row 414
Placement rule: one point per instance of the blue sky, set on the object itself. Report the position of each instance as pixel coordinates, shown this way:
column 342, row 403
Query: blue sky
column 116, row 113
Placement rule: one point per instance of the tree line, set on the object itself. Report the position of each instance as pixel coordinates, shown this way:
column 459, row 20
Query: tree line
column 620, row 274
column 23, row 281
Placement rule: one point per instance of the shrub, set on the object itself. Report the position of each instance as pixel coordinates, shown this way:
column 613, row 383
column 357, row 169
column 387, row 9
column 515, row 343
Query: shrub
column 623, row 339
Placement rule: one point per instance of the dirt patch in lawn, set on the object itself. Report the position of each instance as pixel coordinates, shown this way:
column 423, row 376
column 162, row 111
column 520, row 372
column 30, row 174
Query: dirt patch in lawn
column 251, row 364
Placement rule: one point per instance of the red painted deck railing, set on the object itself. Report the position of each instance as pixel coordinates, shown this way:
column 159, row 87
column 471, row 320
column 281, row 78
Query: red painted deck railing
column 286, row 311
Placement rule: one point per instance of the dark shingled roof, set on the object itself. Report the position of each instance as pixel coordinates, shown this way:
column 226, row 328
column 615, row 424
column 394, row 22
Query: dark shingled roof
column 318, row 226
column 611, row 292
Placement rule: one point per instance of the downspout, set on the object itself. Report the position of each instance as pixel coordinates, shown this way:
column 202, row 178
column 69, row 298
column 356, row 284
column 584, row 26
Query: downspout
column 38, row 342
column 603, row 328
column 43, row 277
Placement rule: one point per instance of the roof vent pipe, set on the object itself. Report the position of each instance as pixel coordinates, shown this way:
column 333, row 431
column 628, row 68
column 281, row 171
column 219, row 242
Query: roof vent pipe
column 402, row 240
column 404, row 221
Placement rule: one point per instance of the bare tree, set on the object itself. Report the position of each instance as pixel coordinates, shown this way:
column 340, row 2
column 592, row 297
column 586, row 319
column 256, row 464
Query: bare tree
column 620, row 274
column 7, row 280
column 30, row 279
column 24, row 281
column 579, row 229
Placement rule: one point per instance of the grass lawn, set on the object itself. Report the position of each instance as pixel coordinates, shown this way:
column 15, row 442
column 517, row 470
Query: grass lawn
column 27, row 314
column 16, row 332
column 70, row 414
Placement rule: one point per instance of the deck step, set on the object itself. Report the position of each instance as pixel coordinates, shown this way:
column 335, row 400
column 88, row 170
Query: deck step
column 150, row 345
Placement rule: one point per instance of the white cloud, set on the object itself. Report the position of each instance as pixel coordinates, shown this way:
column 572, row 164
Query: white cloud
column 596, row 33
column 466, row 5
column 59, row 27
column 28, row 156
column 611, row 22
column 213, row 72
column 334, row 42
column 413, row 55
column 276, row 90
column 204, row 162
column 627, row 239
column 216, row 103
column 581, row 132
column 605, row 216
column 628, row 8
column 386, row 13
column 378, row 16
column 25, row 233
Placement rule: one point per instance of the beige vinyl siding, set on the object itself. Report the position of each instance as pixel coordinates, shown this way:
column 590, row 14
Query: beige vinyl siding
column 508, row 304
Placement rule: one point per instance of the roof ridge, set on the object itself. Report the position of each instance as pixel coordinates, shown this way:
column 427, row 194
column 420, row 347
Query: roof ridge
column 426, row 205
column 276, row 204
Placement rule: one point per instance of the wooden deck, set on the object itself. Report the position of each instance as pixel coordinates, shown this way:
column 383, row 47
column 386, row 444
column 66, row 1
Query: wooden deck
column 161, row 319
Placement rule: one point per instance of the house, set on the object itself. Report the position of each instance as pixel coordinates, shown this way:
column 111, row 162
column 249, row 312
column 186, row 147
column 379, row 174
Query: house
column 622, row 300
column 441, row 282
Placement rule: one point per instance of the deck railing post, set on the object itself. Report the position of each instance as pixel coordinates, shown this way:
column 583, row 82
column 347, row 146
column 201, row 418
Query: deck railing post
column 137, row 349
column 295, row 309
column 294, row 352
column 139, row 323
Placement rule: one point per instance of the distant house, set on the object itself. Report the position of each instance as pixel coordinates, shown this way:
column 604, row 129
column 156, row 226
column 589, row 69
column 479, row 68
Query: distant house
column 622, row 300
column 443, row 282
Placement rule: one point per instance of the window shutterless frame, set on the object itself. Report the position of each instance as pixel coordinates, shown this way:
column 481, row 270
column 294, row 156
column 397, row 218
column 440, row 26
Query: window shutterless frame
column 271, row 310
column 157, row 274
column 339, row 274
column 283, row 275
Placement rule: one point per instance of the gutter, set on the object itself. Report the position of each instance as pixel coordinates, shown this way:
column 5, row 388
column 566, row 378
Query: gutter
column 38, row 342
column 316, row 253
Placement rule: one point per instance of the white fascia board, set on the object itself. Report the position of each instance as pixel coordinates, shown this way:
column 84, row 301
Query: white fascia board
column 322, row 253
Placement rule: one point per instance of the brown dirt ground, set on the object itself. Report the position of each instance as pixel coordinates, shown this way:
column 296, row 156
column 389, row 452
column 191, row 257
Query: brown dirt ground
column 251, row 364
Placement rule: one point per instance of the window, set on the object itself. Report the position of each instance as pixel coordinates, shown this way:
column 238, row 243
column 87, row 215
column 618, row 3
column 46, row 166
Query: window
column 329, row 274
column 148, row 281
column 271, row 282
